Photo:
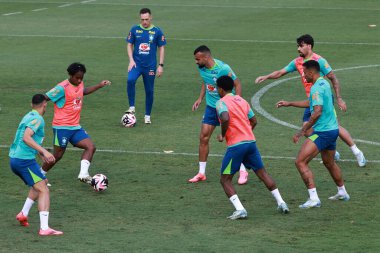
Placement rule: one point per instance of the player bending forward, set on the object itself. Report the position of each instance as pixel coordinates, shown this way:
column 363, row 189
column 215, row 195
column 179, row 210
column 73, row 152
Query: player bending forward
column 237, row 122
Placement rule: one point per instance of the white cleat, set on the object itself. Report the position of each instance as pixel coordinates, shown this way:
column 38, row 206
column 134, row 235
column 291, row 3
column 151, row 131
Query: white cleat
column 310, row 203
column 337, row 196
column 85, row 178
column 131, row 110
column 238, row 214
column 361, row 159
column 147, row 120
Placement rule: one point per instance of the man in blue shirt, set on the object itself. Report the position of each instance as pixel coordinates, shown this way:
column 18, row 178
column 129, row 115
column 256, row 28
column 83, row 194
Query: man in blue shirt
column 323, row 139
column 26, row 145
column 143, row 41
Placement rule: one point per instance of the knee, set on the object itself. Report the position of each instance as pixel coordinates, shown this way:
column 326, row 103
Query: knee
column 204, row 139
column 91, row 148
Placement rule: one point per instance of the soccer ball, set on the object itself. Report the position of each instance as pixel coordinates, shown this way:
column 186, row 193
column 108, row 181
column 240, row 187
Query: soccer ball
column 128, row 120
column 99, row 182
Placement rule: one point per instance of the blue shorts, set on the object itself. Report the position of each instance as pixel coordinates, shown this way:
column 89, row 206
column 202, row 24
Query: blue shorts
column 306, row 115
column 247, row 154
column 28, row 170
column 325, row 140
column 63, row 136
column 210, row 117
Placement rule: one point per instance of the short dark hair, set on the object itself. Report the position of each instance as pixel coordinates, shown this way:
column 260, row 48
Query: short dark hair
column 312, row 65
column 145, row 10
column 75, row 68
column 38, row 99
column 202, row 49
column 225, row 82
column 306, row 39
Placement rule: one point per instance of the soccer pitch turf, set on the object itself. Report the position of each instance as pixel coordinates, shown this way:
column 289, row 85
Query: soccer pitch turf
column 149, row 206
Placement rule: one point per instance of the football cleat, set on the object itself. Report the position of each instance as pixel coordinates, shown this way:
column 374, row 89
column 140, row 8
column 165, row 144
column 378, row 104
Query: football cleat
column 238, row 214
column 131, row 110
column 22, row 219
column 361, row 159
column 198, row 177
column 49, row 231
column 283, row 208
column 243, row 177
column 310, row 204
column 85, row 179
column 337, row 196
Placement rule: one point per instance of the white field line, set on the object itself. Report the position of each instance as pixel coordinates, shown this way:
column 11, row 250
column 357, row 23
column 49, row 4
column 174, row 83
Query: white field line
column 12, row 13
column 65, row 5
column 255, row 101
column 185, row 39
column 41, row 9
column 120, row 151
column 208, row 6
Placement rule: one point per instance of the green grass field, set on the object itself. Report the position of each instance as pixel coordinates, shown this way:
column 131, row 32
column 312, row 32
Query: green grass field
column 149, row 206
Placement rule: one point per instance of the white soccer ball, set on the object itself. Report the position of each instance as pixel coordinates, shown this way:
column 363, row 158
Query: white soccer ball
column 99, row 182
column 128, row 120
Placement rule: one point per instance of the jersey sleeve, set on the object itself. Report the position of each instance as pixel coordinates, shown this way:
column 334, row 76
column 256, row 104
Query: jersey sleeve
column 35, row 124
column 131, row 36
column 227, row 71
column 221, row 107
column 161, row 38
column 251, row 114
column 291, row 67
column 324, row 66
column 55, row 94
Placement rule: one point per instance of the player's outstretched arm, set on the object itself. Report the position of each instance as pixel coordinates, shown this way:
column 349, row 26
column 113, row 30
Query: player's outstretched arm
column 336, row 85
column 313, row 119
column 91, row 89
column 274, row 75
column 301, row 104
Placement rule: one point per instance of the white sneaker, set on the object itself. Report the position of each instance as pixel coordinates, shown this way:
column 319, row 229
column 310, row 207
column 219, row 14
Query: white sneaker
column 361, row 159
column 147, row 119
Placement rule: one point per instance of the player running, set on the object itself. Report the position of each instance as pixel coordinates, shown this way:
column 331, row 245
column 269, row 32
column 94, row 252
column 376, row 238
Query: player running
column 237, row 122
column 325, row 127
column 305, row 45
column 210, row 69
column 27, row 143
column 68, row 98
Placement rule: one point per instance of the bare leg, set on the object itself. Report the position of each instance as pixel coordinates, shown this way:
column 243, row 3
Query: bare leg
column 333, row 168
column 308, row 151
column 345, row 136
column 204, row 138
column 89, row 149
column 58, row 154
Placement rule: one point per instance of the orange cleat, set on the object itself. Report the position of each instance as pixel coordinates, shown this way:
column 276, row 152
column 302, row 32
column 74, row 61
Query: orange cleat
column 198, row 177
column 22, row 219
column 49, row 231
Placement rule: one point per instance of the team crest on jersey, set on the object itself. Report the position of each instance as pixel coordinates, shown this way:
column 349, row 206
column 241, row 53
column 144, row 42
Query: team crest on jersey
column 144, row 48
column 77, row 103
column 151, row 37
column 211, row 87
column 315, row 96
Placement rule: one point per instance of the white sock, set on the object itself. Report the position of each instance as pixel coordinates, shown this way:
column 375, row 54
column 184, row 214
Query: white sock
column 27, row 206
column 342, row 190
column 313, row 194
column 84, row 165
column 236, row 202
column 242, row 168
column 44, row 220
column 132, row 108
column 43, row 172
column 276, row 194
column 202, row 167
column 147, row 117
column 355, row 149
